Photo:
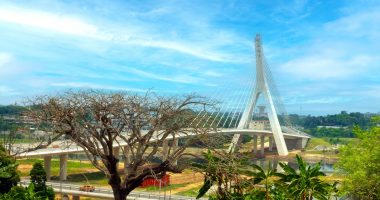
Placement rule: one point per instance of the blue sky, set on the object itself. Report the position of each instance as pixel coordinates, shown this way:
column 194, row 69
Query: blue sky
column 324, row 55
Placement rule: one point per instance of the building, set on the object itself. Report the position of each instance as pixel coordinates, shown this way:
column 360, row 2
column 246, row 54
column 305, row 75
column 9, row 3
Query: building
column 259, row 125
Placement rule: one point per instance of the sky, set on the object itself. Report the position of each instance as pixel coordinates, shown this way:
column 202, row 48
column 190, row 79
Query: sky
column 324, row 55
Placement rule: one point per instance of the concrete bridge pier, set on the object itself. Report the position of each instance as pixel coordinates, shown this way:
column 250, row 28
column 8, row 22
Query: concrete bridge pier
column 296, row 143
column 165, row 149
column 262, row 140
column 116, row 154
column 47, row 167
column 175, row 147
column 126, row 158
column 254, row 144
column 63, row 167
column 275, row 164
column 270, row 143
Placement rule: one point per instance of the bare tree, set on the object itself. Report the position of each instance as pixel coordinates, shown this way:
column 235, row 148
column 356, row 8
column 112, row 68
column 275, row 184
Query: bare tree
column 140, row 124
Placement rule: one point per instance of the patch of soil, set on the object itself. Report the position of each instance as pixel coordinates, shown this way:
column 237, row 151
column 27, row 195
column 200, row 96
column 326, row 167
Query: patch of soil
column 186, row 177
column 25, row 167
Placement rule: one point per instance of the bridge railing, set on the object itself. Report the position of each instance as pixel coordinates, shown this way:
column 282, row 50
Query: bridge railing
column 143, row 195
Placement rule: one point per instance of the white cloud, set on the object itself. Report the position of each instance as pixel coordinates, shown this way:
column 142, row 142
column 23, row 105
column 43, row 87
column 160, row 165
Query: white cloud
column 362, row 24
column 183, row 78
column 339, row 49
column 7, row 91
column 325, row 66
column 49, row 21
column 5, row 58
column 186, row 49
column 126, row 34
column 94, row 86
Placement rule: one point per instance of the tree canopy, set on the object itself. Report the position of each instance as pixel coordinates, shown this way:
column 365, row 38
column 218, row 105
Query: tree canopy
column 137, row 125
column 9, row 176
column 360, row 164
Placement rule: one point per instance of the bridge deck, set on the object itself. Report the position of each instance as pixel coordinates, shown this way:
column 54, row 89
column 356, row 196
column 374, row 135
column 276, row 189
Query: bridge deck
column 76, row 149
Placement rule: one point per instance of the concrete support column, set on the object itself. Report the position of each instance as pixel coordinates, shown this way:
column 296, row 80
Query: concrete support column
column 270, row 162
column 262, row 138
column 165, row 149
column 270, row 143
column 116, row 153
column 126, row 158
column 175, row 147
column 275, row 164
column 63, row 167
column 76, row 197
column 262, row 163
column 47, row 167
column 255, row 144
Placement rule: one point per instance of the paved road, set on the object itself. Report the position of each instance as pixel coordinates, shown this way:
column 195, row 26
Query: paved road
column 73, row 189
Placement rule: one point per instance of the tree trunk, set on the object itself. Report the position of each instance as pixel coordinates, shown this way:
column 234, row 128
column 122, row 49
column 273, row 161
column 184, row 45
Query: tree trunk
column 119, row 194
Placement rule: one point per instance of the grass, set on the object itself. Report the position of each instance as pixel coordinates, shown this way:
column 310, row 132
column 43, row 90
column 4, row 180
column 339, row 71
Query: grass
column 316, row 142
column 347, row 140
column 94, row 178
column 326, row 142
column 156, row 189
column 191, row 193
column 73, row 167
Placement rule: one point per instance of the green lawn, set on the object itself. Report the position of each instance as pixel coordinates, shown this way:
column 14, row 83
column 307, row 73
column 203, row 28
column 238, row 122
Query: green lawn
column 316, row 142
column 93, row 178
column 157, row 189
column 192, row 192
column 73, row 167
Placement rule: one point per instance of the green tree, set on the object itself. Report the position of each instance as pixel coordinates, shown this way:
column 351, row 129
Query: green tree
column 222, row 170
column 306, row 183
column 38, row 179
column 21, row 193
column 263, row 177
column 360, row 164
column 9, row 176
column 38, row 175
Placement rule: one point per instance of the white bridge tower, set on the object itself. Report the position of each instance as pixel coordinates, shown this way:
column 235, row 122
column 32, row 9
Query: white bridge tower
column 261, row 88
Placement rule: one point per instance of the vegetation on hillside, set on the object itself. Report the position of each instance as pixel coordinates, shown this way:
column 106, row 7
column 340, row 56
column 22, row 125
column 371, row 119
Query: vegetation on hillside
column 359, row 163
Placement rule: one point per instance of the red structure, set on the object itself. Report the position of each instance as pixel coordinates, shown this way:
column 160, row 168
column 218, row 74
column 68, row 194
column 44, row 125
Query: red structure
column 164, row 181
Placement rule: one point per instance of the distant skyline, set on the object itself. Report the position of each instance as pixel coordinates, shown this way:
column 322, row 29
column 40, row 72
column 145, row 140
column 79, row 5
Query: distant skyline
column 324, row 55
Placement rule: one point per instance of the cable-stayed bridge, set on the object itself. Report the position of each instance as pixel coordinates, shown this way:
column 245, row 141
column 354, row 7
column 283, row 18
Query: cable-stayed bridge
column 236, row 120
column 238, row 115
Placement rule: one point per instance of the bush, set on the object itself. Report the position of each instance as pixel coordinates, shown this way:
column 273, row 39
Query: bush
column 38, row 179
column 10, row 176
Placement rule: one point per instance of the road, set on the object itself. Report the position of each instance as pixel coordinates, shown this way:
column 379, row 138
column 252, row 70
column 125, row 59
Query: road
column 103, row 193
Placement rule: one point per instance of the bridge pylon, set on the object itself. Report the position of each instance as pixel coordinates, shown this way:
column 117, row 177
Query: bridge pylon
column 261, row 88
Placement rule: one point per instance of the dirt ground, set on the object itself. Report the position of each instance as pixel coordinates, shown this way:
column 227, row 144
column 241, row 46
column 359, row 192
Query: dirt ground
column 24, row 168
column 187, row 176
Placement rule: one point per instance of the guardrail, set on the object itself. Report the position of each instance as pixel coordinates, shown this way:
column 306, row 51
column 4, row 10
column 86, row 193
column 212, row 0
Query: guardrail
column 74, row 189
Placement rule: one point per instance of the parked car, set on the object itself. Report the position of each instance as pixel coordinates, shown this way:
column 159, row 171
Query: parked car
column 87, row 188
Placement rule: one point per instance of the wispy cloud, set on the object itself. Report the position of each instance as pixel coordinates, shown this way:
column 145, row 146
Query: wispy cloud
column 5, row 58
column 176, row 78
column 327, row 65
column 95, row 86
column 7, row 91
column 320, row 51
column 124, row 34
column 49, row 21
